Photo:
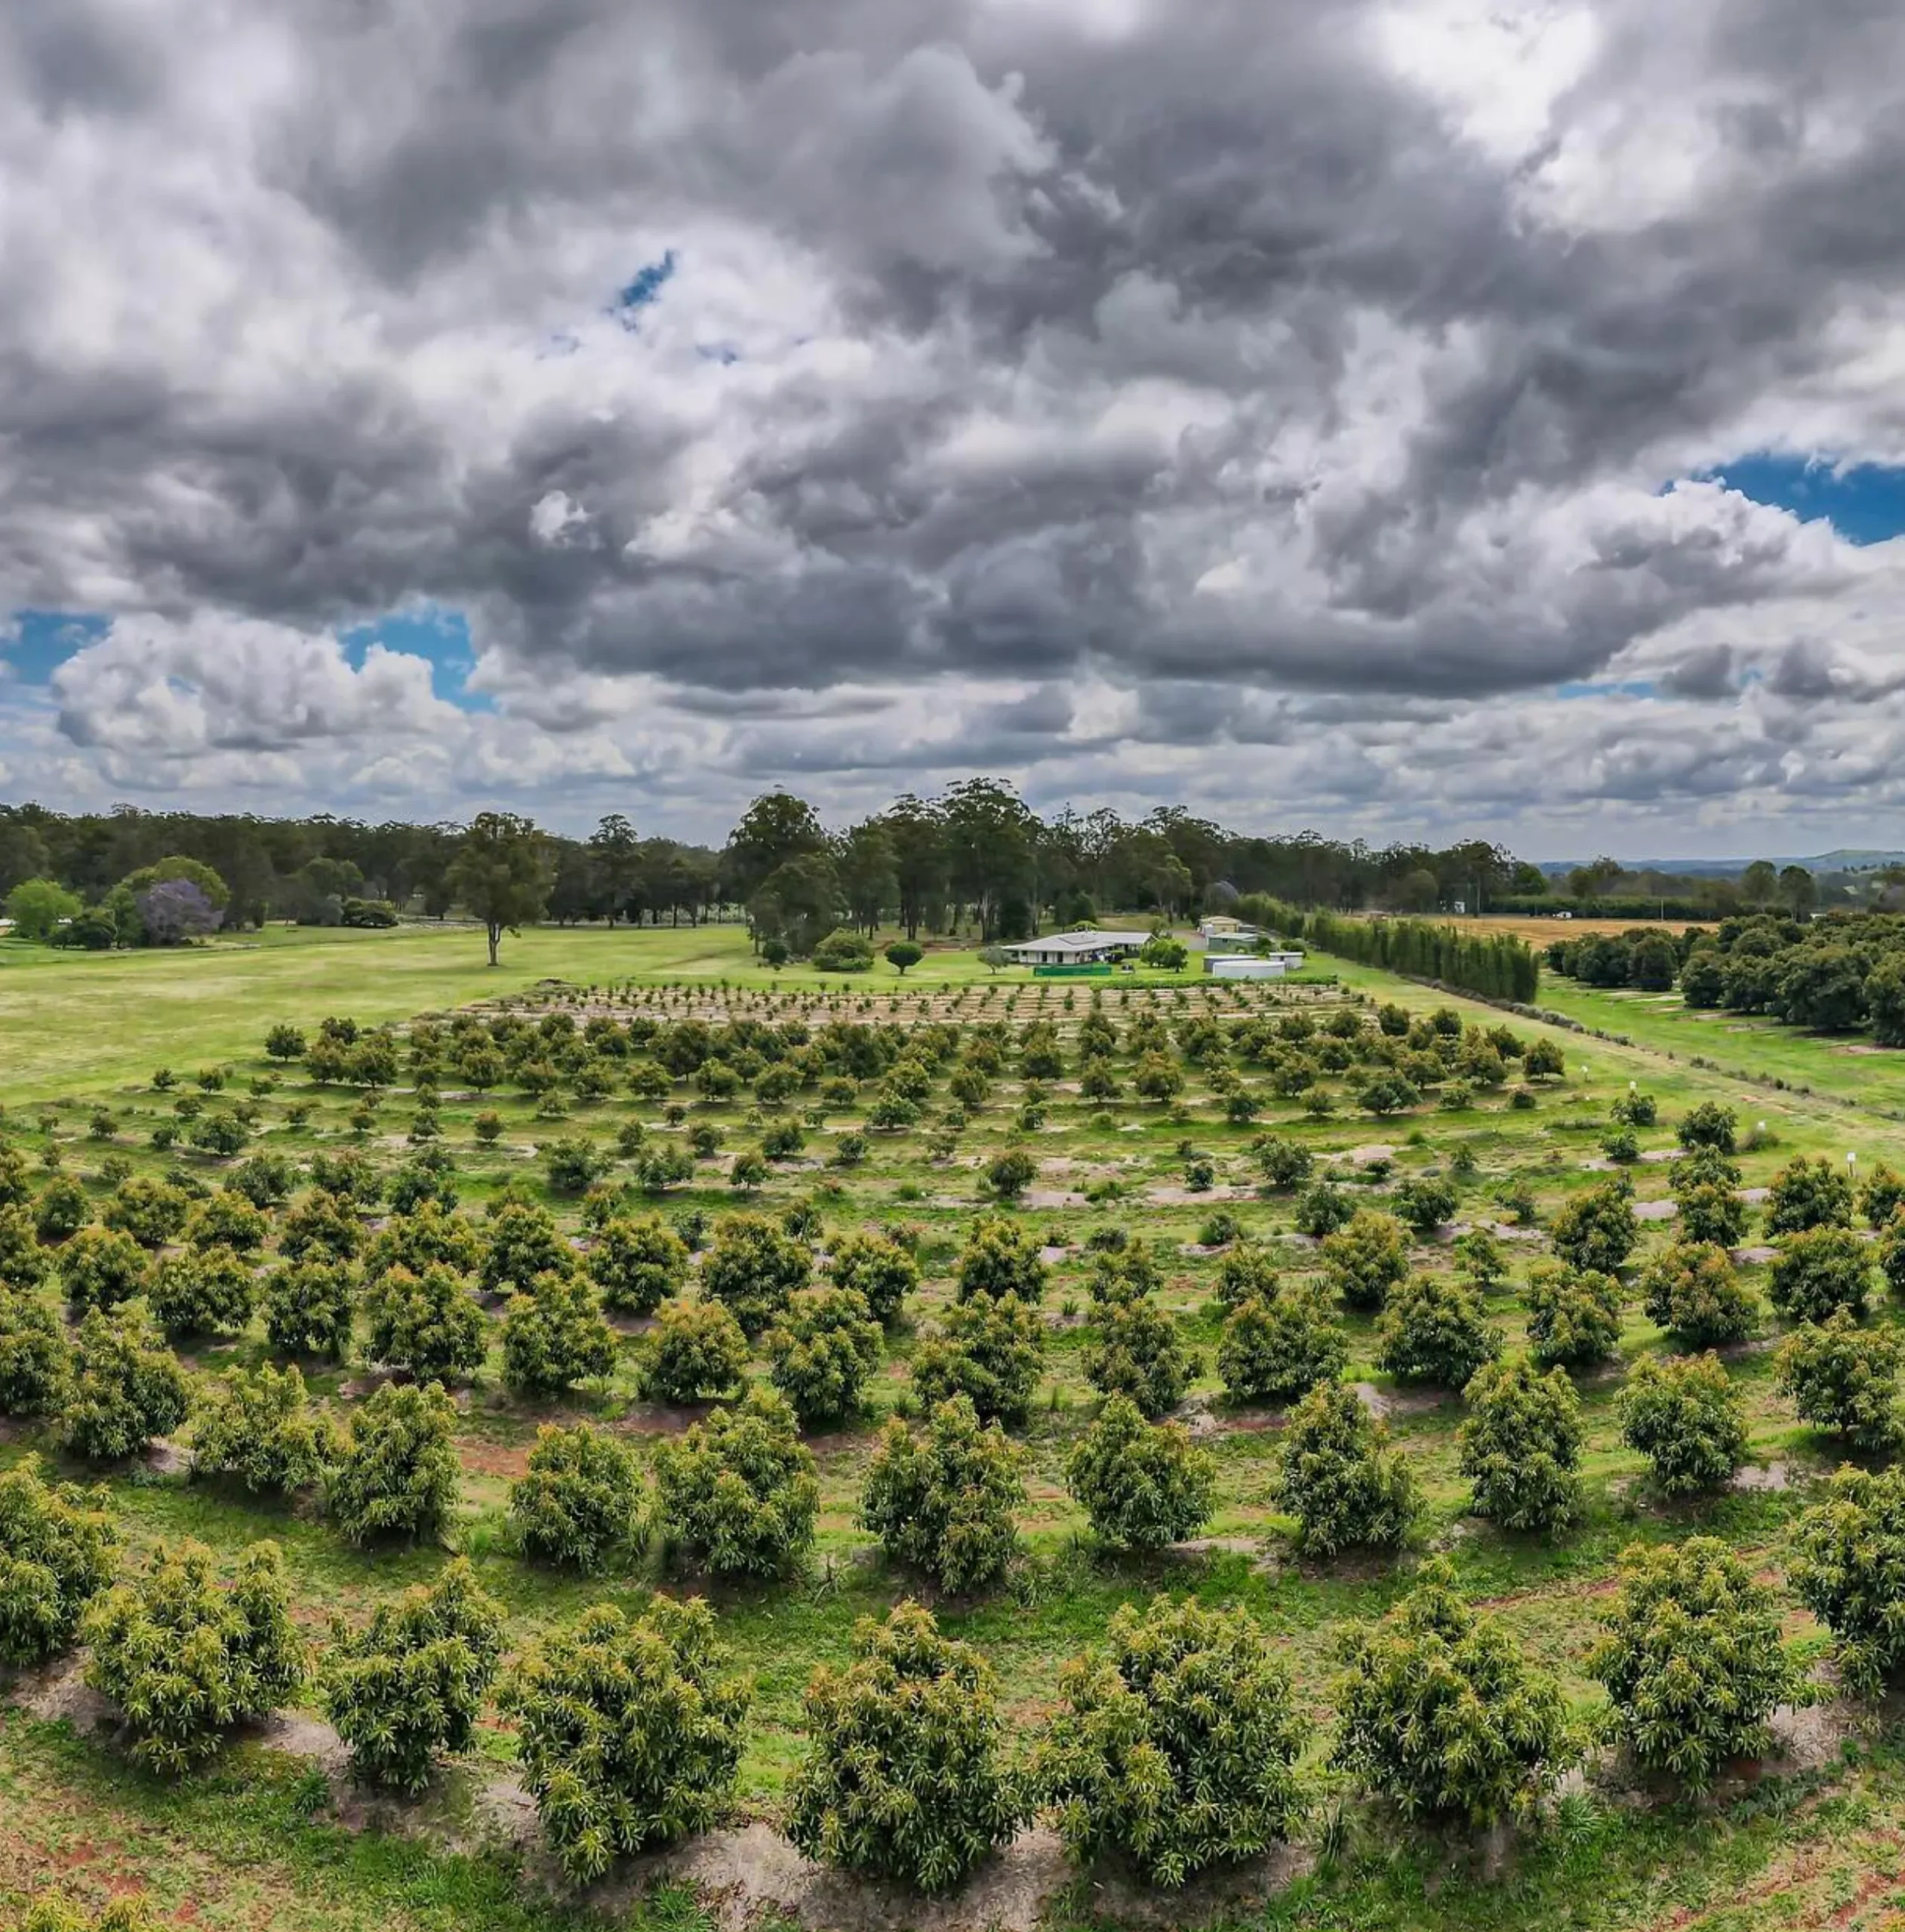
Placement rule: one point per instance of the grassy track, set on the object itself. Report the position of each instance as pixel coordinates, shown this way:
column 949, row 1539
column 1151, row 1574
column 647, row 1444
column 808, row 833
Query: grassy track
column 254, row 1841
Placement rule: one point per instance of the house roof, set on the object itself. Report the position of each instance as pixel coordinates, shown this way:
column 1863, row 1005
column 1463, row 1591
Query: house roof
column 1083, row 942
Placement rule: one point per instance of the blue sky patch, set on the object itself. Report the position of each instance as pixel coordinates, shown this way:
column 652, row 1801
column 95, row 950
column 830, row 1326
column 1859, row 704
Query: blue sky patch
column 1624, row 687
column 432, row 631
column 1864, row 503
column 43, row 641
column 644, row 287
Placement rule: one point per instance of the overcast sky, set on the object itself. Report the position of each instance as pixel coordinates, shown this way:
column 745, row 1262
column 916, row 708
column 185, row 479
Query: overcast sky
column 1433, row 417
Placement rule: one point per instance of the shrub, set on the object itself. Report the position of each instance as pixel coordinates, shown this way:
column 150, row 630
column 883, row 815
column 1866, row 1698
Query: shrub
column 695, row 1350
column 191, row 1293
column 737, row 1492
column 904, row 1776
column 57, row 1548
column 1278, row 1350
column 1143, row 1485
column 36, row 1357
column 152, row 1212
column 1001, row 1259
column 1596, row 1229
column 554, row 1336
column 1138, row 1353
column 637, row 1263
column 1692, row 1291
column 523, row 1242
column 1691, row 1659
column 1434, row 1331
column 257, row 1425
column 409, row 1688
column 99, row 1268
column 128, row 1387
column 879, row 1270
column 822, row 1351
column 1521, row 1446
column 991, row 1350
column 628, row 1729
column 309, row 1308
column 941, row 1499
column 1440, row 1715
column 752, row 1268
column 1848, row 1567
column 1684, row 1416
column 396, row 1474
column 1365, row 1258
column 1425, row 1204
column 1247, row 1274
column 1479, row 1258
column 1842, row 1377
column 1338, row 1477
column 1882, row 1195
column 184, row 1656
column 1820, row 1271
column 577, row 1501
column 1711, row 1210
column 1809, row 1194
column 1573, row 1319
column 427, row 1324
column 1710, row 1125
column 1178, row 1749
column 843, row 951
column 265, row 1180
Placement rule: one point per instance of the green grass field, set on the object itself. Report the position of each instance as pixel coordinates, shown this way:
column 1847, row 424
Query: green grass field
column 261, row 1839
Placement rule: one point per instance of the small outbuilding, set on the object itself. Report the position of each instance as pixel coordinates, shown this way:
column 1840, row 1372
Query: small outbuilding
column 1252, row 965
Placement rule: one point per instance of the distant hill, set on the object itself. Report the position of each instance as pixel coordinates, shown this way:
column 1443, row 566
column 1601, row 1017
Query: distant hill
column 1844, row 860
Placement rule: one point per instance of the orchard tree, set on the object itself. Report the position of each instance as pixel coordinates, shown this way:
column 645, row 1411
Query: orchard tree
column 753, row 1267
column 737, row 1494
column 1692, row 1289
column 822, row 1351
column 1139, row 1353
column 397, row 1473
column 1848, row 1567
column 1683, row 1415
column 1178, row 1749
column 58, row 1545
column 1277, row 1350
column 941, row 1499
column 991, row 1350
column 1692, row 1659
column 1574, row 1318
column 1339, row 1478
column 502, row 875
column 906, row 1776
column 36, row 1362
column 1521, row 1447
column 1143, row 1485
column 1820, row 1272
column 695, row 1351
column 554, row 1336
column 1844, row 1378
column 1365, row 1258
column 1433, row 1330
column 128, row 1388
column 408, row 1688
column 629, row 1730
column 257, row 1426
column 1440, row 1715
column 637, row 1263
column 186, row 1656
column 1000, row 1258
column 1596, row 1229
column 578, row 1498
column 878, row 1269
column 1809, row 1194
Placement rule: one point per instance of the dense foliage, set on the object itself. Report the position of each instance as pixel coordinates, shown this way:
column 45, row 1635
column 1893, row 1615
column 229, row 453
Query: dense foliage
column 942, row 1498
column 1848, row 1567
column 1683, row 1415
column 1339, row 1478
column 1521, row 1446
column 58, row 1545
column 396, row 1474
column 1143, row 1485
column 578, row 1499
column 737, row 1494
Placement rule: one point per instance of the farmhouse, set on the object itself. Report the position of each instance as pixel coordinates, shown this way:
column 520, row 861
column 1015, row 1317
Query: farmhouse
column 1079, row 949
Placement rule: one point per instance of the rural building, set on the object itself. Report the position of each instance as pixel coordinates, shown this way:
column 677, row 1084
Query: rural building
column 1220, row 927
column 1252, row 965
column 1081, row 949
